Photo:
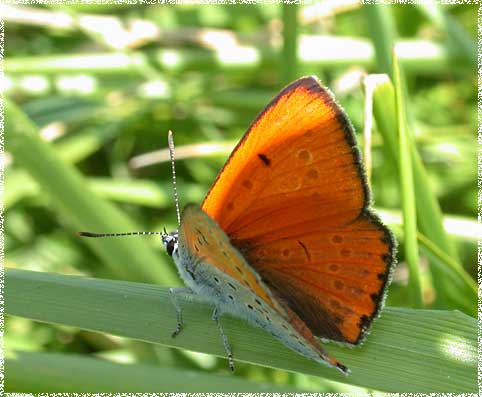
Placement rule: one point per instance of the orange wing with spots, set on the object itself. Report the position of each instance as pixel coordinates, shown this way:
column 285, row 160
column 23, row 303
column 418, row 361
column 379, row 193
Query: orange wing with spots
column 293, row 198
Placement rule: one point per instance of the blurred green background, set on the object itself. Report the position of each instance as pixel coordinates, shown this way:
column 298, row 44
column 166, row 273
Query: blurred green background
column 91, row 91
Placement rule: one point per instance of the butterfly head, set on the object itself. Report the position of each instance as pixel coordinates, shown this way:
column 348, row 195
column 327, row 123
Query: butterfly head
column 169, row 240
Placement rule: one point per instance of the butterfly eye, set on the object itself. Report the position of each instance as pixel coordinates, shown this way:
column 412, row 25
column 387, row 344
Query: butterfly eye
column 170, row 242
column 170, row 247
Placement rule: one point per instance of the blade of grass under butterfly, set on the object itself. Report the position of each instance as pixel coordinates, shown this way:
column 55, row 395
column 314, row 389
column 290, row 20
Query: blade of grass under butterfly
column 407, row 192
column 75, row 204
column 408, row 350
column 38, row 372
column 429, row 215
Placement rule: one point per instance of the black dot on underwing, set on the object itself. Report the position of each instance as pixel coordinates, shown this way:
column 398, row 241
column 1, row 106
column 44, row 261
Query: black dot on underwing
column 239, row 269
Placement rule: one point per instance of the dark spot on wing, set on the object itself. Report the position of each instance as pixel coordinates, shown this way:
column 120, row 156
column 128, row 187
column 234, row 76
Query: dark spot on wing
column 295, row 336
column 307, row 253
column 339, row 284
column 240, row 271
column 264, row 159
column 202, row 240
column 191, row 273
column 247, row 184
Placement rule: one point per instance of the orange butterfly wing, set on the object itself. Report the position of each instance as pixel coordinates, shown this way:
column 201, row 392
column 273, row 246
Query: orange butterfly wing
column 293, row 198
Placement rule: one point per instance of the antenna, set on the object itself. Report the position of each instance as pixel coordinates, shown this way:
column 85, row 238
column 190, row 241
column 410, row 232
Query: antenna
column 170, row 141
column 89, row 234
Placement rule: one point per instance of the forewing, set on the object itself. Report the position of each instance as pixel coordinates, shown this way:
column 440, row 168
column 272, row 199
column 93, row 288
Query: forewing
column 294, row 156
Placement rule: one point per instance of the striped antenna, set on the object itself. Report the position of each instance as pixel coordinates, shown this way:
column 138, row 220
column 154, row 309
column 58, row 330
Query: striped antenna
column 89, row 234
column 170, row 141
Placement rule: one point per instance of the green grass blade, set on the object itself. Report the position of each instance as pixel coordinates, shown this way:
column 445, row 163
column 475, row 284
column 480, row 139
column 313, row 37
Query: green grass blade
column 407, row 192
column 72, row 149
column 289, row 62
column 428, row 208
column 408, row 350
column 382, row 30
column 29, row 372
column 78, row 207
column 449, row 262
column 445, row 265
column 429, row 215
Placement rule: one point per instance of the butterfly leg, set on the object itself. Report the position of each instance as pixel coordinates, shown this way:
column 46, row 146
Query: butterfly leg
column 215, row 317
column 173, row 292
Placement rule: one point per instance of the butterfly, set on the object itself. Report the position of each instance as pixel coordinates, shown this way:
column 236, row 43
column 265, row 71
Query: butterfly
column 285, row 238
